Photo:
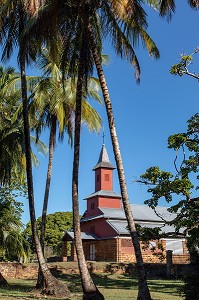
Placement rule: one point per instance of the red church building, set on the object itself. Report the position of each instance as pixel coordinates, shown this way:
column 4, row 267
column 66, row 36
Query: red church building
column 104, row 230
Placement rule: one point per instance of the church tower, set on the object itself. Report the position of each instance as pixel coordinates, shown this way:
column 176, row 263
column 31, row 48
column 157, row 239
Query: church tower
column 103, row 197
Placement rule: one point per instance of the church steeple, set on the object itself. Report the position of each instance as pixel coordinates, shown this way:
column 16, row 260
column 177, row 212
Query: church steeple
column 104, row 196
column 103, row 161
column 103, row 172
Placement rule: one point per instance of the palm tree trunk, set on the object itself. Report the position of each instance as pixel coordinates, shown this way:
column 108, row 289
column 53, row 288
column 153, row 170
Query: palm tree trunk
column 40, row 278
column 52, row 285
column 90, row 290
column 143, row 292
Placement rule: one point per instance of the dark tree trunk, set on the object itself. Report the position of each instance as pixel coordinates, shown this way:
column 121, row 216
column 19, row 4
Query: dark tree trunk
column 3, row 281
column 52, row 285
column 90, row 290
column 143, row 292
column 40, row 278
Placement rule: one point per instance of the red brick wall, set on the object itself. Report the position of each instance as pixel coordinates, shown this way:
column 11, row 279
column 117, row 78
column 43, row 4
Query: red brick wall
column 126, row 253
column 105, row 250
column 121, row 250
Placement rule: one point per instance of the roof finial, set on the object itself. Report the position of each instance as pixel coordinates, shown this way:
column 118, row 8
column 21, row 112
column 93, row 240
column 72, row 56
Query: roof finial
column 103, row 136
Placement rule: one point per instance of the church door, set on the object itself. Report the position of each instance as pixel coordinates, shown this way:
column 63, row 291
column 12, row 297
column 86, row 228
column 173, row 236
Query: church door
column 92, row 252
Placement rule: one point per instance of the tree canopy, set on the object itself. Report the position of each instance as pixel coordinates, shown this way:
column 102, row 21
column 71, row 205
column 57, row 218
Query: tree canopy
column 168, row 186
column 57, row 223
column 13, row 246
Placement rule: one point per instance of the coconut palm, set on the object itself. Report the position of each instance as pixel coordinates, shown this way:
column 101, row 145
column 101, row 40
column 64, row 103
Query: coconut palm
column 54, row 100
column 123, row 46
column 167, row 7
column 124, row 22
column 12, row 158
column 13, row 21
column 12, row 150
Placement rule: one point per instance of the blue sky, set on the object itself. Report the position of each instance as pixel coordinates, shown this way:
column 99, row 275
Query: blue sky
column 145, row 115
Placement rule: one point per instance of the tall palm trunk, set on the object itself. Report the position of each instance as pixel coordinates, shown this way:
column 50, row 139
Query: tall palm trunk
column 143, row 292
column 40, row 279
column 90, row 291
column 52, row 285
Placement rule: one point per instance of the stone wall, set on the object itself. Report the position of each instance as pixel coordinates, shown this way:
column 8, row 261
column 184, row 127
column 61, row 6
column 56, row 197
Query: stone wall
column 17, row 270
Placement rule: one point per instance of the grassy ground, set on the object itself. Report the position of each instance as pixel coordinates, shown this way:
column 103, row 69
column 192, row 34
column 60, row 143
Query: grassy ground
column 113, row 287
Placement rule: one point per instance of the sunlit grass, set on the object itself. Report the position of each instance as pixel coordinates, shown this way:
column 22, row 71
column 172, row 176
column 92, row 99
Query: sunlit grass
column 113, row 287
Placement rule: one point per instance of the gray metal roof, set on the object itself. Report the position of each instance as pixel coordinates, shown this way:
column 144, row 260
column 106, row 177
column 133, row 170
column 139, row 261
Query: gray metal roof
column 120, row 226
column 113, row 213
column 84, row 235
column 144, row 212
column 140, row 212
column 105, row 194
column 103, row 161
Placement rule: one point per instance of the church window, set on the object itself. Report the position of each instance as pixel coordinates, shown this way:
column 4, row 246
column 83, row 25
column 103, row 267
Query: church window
column 106, row 177
column 176, row 246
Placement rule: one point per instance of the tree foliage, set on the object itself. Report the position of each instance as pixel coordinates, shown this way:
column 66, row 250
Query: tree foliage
column 168, row 186
column 182, row 67
column 57, row 223
column 13, row 246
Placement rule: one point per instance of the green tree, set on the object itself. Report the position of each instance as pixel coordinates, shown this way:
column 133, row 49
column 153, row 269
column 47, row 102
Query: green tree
column 182, row 68
column 167, row 7
column 56, row 224
column 170, row 186
column 12, row 149
column 13, row 21
column 13, row 246
column 12, row 155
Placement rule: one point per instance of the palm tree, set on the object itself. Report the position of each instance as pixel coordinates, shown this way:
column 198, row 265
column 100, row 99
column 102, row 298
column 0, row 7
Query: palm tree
column 90, row 290
column 13, row 21
column 167, row 7
column 54, row 100
column 125, row 22
column 12, row 157
column 12, row 150
column 122, row 42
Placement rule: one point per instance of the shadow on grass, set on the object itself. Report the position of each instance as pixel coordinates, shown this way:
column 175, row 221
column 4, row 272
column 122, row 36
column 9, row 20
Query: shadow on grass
column 20, row 289
column 116, row 281
column 165, row 286
column 20, row 286
column 24, row 288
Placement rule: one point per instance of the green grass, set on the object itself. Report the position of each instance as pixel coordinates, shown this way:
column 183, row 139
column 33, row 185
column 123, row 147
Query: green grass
column 113, row 287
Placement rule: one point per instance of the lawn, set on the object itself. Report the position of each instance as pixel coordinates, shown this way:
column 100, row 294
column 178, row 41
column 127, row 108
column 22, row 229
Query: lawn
column 113, row 287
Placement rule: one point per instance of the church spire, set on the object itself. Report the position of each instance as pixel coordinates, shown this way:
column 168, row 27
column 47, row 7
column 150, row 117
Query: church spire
column 103, row 161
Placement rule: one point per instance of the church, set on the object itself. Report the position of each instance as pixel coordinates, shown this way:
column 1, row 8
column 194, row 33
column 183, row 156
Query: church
column 104, row 229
